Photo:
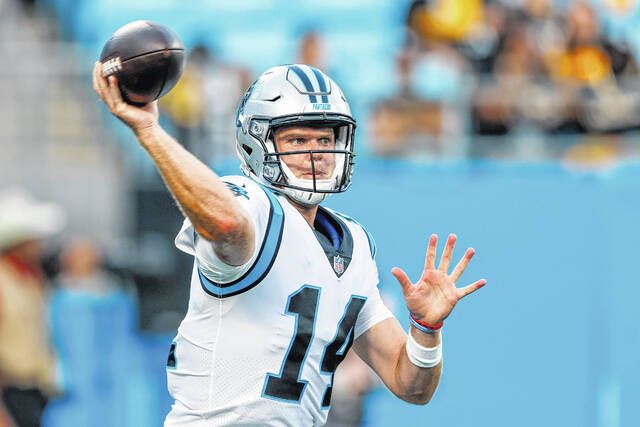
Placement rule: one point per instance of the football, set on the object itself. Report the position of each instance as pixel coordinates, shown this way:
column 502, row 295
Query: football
column 146, row 57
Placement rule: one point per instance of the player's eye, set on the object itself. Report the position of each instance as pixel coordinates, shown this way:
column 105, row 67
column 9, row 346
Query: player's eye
column 296, row 141
column 325, row 141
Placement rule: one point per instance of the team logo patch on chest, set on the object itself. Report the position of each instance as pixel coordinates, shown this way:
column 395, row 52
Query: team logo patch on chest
column 338, row 264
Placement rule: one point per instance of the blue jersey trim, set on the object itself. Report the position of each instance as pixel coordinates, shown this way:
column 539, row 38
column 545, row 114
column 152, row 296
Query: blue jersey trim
column 264, row 261
column 372, row 243
column 342, row 350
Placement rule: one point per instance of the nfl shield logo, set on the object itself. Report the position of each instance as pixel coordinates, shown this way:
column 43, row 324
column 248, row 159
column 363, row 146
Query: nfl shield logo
column 338, row 264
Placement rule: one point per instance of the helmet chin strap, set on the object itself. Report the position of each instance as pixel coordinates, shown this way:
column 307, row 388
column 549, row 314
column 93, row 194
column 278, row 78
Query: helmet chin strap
column 304, row 197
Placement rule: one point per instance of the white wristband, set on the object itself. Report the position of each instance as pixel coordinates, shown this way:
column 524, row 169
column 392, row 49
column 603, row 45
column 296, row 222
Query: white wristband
column 423, row 357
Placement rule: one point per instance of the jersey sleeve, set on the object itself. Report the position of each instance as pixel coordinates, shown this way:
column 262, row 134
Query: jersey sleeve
column 253, row 199
column 374, row 310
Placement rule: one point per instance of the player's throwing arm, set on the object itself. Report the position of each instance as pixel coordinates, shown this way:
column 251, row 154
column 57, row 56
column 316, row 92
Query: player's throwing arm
column 202, row 196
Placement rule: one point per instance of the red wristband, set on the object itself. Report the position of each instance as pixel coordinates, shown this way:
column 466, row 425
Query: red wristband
column 426, row 325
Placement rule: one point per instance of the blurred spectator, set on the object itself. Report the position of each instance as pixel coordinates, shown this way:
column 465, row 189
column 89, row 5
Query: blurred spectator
column 518, row 87
column 28, row 5
column 557, row 72
column 5, row 419
column 185, row 104
column 352, row 381
column 594, row 152
column 27, row 363
column 586, row 59
column 603, row 71
column 516, row 67
column 224, row 86
column 81, row 269
column 409, row 122
column 538, row 65
column 470, row 30
column 311, row 50
column 203, row 104
column 448, row 21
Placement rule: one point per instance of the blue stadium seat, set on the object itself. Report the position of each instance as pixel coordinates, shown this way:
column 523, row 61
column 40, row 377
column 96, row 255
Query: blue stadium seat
column 226, row 16
column 256, row 50
column 363, row 63
column 331, row 15
column 436, row 79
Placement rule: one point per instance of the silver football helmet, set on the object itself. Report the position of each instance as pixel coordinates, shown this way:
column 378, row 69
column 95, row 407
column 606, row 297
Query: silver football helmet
column 294, row 95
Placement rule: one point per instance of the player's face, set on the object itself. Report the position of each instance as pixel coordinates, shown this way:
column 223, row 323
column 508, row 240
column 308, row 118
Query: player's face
column 304, row 138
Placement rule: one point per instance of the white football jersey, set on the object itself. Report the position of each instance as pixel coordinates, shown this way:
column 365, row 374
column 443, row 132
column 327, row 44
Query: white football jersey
column 260, row 342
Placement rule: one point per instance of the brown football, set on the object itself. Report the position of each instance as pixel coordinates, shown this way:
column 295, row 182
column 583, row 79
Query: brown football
column 147, row 58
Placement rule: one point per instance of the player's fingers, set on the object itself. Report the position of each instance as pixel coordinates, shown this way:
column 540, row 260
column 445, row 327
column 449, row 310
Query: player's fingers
column 463, row 292
column 103, row 88
column 445, row 261
column 106, row 95
column 430, row 260
column 115, row 97
column 99, row 83
column 402, row 278
column 94, row 77
column 103, row 82
column 462, row 264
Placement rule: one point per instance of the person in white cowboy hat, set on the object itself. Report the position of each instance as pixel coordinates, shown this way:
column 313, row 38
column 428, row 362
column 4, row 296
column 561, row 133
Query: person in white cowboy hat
column 27, row 362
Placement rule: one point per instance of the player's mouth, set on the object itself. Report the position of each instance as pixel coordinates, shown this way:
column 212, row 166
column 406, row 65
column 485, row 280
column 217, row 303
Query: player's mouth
column 309, row 175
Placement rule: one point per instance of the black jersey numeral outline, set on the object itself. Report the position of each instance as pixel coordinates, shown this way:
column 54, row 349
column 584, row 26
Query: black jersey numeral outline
column 287, row 385
column 336, row 350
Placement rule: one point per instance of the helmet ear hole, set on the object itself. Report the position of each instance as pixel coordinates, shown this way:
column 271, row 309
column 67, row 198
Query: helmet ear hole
column 247, row 149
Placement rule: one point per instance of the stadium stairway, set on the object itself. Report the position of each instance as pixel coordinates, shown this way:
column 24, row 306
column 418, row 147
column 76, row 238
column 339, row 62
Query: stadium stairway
column 53, row 140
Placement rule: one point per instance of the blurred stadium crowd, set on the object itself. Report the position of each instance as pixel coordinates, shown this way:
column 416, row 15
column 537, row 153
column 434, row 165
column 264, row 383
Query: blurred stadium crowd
column 519, row 80
column 435, row 79
column 452, row 79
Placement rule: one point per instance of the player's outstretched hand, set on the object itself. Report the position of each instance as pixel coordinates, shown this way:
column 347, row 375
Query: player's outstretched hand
column 137, row 118
column 433, row 297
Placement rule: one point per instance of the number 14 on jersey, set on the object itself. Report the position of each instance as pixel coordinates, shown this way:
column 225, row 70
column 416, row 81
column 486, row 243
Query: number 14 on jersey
column 303, row 305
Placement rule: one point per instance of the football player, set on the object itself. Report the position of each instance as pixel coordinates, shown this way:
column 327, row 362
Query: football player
column 281, row 286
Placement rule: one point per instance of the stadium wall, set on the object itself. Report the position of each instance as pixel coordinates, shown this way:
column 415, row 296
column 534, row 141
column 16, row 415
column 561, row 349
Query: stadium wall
column 551, row 341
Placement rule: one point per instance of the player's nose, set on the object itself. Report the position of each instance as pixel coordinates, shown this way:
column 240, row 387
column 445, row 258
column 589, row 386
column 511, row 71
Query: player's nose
column 316, row 145
column 319, row 147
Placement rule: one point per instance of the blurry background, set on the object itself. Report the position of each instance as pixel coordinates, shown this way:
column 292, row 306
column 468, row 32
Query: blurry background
column 513, row 123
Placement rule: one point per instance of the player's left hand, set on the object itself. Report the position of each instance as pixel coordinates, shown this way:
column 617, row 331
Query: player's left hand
column 433, row 297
